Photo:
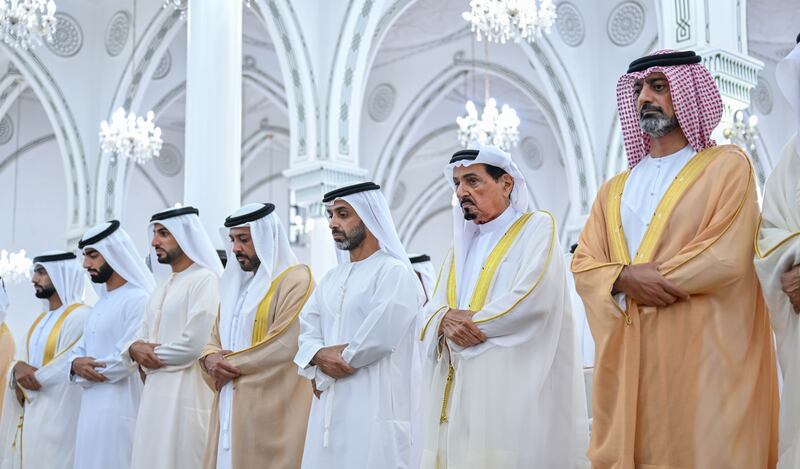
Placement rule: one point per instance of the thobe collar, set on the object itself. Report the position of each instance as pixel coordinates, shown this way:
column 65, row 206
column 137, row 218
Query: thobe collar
column 194, row 266
column 667, row 158
column 499, row 224
column 371, row 256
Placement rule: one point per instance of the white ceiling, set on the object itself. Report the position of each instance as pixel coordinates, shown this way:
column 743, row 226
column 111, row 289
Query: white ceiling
column 772, row 26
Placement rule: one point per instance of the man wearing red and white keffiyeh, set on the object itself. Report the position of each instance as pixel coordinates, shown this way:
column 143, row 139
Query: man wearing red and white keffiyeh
column 685, row 372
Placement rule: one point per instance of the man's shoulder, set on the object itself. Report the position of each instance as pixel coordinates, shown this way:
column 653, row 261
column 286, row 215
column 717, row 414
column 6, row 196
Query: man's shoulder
column 203, row 274
column 81, row 309
column 729, row 157
column 79, row 313
column 136, row 294
column 540, row 219
column 298, row 273
column 540, row 227
column 392, row 263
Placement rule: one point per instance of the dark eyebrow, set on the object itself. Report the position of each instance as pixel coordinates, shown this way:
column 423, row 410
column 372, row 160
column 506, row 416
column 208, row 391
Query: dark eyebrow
column 655, row 80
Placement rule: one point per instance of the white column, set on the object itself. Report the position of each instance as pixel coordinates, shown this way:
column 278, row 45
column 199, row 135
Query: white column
column 212, row 173
column 322, row 252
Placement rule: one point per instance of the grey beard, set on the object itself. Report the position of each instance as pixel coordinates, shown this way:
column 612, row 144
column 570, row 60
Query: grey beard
column 353, row 239
column 658, row 126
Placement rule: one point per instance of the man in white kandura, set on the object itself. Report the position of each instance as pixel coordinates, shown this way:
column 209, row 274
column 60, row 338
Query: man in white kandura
column 111, row 390
column 356, row 340
column 249, row 355
column 40, row 408
column 425, row 271
column 778, row 265
column 172, row 424
column 504, row 387
column 7, row 344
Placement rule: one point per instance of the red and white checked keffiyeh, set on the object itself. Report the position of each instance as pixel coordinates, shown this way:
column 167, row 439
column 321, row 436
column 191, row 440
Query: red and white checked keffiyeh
column 695, row 98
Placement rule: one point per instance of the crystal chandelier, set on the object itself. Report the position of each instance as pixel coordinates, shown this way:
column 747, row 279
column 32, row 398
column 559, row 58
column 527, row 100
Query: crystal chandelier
column 501, row 20
column 24, row 23
column 131, row 137
column 743, row 131
column 500, row 129
column 15, row 267
column 178, row 5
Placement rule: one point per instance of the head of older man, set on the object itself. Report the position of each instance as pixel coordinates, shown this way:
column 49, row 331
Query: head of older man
column 483, row 191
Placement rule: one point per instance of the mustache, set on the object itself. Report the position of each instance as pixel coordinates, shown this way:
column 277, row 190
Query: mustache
column 465, row 200
column 333, row 232
column 649, row 107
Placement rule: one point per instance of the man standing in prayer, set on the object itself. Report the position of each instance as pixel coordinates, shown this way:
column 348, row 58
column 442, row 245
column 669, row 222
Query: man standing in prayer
column 42, row 414
column 172, row 424
column 252, row 345
column 425, row 271
column 778, row 264
column 685, row 367
column 7, row 345
column 503, row 388
column 423, row 268
column 356, row 339
column 111, row 390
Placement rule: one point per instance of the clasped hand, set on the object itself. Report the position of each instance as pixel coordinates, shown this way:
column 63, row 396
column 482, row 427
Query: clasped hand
column 457, row 325
column 220, row 369
column 790, row 284
column 645, row 285
column 144, row 354
column 329, row 360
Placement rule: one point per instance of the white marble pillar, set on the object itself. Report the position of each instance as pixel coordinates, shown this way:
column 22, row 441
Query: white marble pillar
column 322, row 252
column 212, row 172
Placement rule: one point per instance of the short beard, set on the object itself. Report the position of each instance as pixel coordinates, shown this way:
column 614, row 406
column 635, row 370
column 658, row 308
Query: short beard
column 353, row 239
column 45, row 292
column 169, row 256
column 658, row 126
column 251, row 265
column 103, row 274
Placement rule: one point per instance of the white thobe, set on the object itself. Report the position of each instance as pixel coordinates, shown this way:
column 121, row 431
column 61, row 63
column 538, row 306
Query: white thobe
column 644, row 189
column 478, row 249
column 236, row 336
column 516, row 400
column 108, row 410
column 51, row 413
column 361, row 421
column 41, row 332
column 172, row 424
column 779, row 251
